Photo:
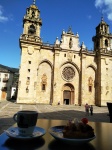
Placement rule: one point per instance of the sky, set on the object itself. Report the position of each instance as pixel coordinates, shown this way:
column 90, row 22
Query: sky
column 57, row 15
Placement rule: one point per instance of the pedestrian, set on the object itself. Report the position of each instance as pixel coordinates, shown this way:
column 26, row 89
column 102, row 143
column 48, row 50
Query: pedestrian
column 87, row 109
column 91, row 110
column 59, row 103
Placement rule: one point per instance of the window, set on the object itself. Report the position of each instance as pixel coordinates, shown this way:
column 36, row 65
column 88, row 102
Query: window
column 29, row 62
column 27, row 90
column 106, row 42
column 28, row 81
column 90, row 88
column 97, row 44
column 64, row 55
column 28, row 70
column 43, row 87
column 6, row 75
column 28, row 78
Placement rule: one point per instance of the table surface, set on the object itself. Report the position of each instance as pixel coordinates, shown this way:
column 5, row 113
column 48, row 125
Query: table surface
column 103, row 140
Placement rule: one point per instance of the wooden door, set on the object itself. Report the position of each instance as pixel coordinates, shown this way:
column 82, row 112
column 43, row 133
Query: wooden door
column 3, row 96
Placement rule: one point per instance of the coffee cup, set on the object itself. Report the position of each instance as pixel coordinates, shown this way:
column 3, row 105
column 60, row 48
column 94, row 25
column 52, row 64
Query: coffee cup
column 26, row 121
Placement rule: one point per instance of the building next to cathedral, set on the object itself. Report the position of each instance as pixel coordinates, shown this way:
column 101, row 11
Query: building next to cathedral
column 66, row 72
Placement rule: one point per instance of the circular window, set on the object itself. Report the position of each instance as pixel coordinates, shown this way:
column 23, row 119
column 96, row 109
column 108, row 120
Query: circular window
column 68, row 73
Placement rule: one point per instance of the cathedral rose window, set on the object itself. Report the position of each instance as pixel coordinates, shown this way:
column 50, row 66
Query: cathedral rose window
column 68, row 73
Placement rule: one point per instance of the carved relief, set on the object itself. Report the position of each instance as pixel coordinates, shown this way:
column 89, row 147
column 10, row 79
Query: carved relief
column 44, row 82
column 90, row 81
column 44, row 79
column 70, row 55
column 30, row 50
column 27, row 82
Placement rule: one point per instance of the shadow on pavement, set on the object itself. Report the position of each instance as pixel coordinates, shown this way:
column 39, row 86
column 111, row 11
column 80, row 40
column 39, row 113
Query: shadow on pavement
column 71, row 114
column 6, row 122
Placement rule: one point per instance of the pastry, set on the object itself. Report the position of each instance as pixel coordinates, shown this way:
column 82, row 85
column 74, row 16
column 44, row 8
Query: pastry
column 78, row 129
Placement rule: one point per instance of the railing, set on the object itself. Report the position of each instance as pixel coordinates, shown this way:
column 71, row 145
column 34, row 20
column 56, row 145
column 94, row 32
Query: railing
column 48, row 44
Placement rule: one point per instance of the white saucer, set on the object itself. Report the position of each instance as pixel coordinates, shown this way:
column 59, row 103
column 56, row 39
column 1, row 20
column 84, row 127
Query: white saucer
column 13, row 133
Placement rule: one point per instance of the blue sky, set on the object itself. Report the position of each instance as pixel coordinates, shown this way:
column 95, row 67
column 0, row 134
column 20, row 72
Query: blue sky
column 57, row 15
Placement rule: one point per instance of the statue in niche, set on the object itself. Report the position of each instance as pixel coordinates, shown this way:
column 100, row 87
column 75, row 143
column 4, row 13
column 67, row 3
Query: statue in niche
column 70, row 55
column 44, row 82
column 44, row 79
column 90, row 80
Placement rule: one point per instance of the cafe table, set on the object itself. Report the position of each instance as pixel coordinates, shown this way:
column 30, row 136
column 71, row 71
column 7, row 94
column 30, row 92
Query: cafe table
column 103, row 140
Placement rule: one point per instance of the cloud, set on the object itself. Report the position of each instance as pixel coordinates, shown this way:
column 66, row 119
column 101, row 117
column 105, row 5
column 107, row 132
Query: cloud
column 89, row 16
column 2, row 17
column 105, row 6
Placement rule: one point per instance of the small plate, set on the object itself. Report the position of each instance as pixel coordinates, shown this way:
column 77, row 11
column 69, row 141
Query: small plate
column 56, row 132
column 13, row 133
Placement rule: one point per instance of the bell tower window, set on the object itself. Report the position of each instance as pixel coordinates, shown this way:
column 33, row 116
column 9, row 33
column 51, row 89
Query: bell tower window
column 31, row 29
column 33, row 14
column 106, row 42
column 97, row 44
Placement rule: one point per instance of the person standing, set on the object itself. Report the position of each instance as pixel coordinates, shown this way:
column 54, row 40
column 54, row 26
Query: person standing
column 91, row 110
column 87, row 109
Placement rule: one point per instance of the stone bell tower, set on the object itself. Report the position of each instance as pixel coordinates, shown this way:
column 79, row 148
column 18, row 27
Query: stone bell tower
column 103, row 58
column 102, row 39
column 30, row 43
column 31, row 21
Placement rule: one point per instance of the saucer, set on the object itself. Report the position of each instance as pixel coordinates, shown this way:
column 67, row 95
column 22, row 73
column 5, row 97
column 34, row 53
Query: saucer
column 14, row 133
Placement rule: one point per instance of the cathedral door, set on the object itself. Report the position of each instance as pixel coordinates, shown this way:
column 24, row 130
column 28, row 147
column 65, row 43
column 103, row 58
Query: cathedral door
column 67, row 97
column 68, row 94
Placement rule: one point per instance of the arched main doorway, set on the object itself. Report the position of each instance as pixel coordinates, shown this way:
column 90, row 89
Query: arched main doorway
column 68, row 94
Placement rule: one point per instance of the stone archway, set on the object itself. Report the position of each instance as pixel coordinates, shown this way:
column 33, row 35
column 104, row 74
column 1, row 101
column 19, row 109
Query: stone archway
column 68, row 93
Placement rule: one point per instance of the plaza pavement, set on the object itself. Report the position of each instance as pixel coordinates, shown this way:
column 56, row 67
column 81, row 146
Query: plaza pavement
column 64, row 112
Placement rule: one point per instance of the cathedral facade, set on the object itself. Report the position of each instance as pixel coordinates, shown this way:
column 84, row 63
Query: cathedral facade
column 65, row 73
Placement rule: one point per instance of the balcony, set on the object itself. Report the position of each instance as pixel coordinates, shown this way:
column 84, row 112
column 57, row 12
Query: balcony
column 5, row 79
column 4, row 89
